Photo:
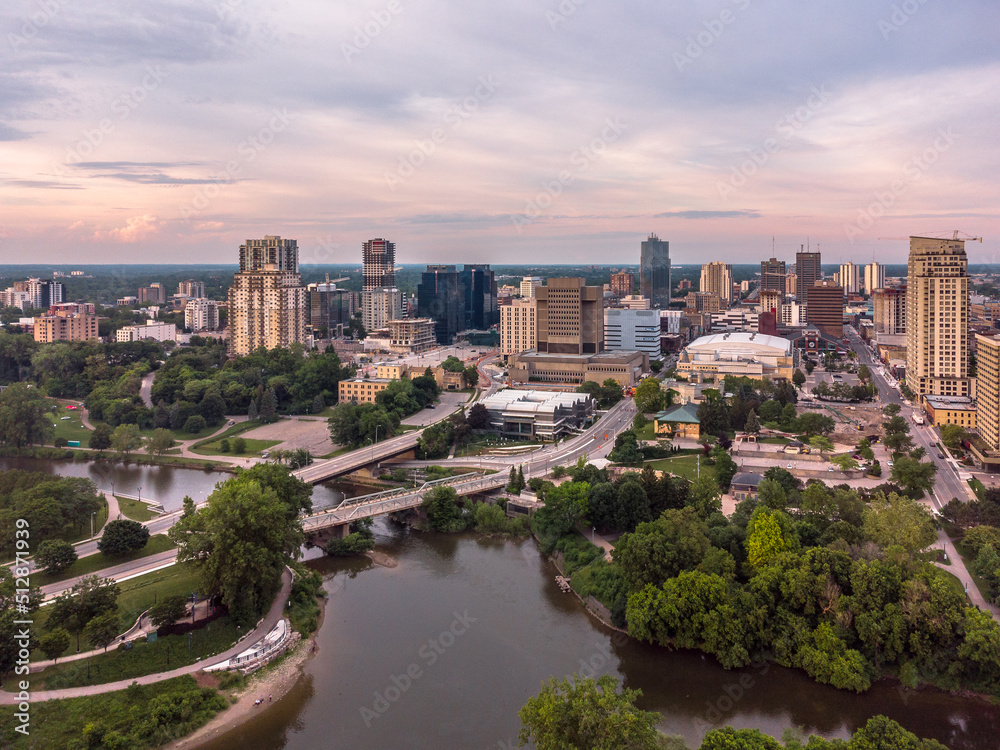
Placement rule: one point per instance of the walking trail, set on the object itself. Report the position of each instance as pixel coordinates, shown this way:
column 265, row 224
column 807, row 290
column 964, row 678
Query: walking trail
column 269, row 621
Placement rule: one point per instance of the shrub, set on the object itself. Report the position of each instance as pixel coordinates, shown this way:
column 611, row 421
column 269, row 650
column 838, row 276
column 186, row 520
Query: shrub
column 195, row 423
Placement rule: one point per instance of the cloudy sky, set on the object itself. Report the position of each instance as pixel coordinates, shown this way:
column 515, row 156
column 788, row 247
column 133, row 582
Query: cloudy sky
column 505, row 132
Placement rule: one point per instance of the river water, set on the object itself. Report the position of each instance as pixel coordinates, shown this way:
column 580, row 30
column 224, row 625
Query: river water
column 166, row 485
column 442, row 651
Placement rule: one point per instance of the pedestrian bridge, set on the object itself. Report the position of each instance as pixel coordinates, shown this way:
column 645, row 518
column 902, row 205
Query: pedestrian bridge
column 328, row 522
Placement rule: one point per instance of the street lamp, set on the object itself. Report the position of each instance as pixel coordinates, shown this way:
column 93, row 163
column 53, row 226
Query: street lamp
column 139, row 494
column 92, row 524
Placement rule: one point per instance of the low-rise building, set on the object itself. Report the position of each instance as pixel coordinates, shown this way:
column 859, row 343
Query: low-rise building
column 151, row 330
column 391, row 371
column 679, row 421
column 538, row 415
column 127, row 301
column 744, row 486
column 753, row 355
column 361, row 390
column 626, row 367
column 960, row 410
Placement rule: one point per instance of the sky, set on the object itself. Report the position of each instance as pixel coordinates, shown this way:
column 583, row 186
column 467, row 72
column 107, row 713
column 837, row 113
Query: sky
column 507, row 132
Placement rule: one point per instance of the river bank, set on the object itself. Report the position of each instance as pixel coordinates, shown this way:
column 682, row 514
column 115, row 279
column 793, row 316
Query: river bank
column 269, row 684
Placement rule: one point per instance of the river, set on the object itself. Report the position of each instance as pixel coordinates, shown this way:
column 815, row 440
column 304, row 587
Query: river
column 166, row 485
column 459, row 635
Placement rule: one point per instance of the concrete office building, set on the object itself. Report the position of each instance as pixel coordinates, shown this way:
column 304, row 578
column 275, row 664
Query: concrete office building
column 154, row 294
column 772, row 275
column 889, row 310
column 625, row 367
column 632, row 330
column 717, row 279
column 937, row 318
column 874, row 277
column 411, row 335
column 266, row 302
column 517, row 326
column 191, row 288
column 622, row 283
column 808, row 271
column 654, row 271
column 538, row 415
column 703, row 302
column 634, row 302
column 825, row 309
column 850, row 277
column 570, row 317
column 529, row 284
column 791, row 284
column 201, row 314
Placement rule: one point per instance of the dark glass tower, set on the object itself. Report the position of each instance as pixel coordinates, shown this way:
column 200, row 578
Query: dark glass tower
column 654, row 271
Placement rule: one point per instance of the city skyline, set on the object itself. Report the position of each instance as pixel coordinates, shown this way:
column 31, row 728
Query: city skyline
column 180, row 132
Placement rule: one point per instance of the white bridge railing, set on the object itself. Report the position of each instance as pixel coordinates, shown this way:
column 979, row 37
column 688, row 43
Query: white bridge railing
column 380, row 503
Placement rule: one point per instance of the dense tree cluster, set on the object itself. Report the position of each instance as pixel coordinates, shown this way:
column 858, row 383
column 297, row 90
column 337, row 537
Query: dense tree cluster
column 54, row 507
column 601, row 715
column 24, row 419
column 606, row 394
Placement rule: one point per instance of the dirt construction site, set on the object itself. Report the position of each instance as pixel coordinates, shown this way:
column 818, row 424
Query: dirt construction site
column 847, row 417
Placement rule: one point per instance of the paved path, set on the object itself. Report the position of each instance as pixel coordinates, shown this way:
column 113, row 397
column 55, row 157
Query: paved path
column 146, row 389
column 958, row 569
column 269, row 621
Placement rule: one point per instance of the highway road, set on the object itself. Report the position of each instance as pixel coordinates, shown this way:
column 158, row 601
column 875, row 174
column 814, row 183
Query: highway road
column 947, row 484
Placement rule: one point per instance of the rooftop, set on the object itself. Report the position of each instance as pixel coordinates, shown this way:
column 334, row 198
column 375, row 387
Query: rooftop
column 685, row 413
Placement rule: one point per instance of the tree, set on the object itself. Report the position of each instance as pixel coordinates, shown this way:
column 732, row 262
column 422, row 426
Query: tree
column 631, row 505
column 442, row 509
column 195, row 424
column 772, row 494
column 479, row 417
column 513, row 486
column 725, row 469
column 470, row 376
column 587, row 714
column 54, row 643
column 24, row 417
column 798, row 378
column 160, row 443
column 728, row 738
column 821, row 443
column 844, row 462
column 898, row 442
column 662, row 548
column 242, row 538
column 168, row 610
column 898, row 520
column 752, row 426
column 705, row 496
column 812, row 423
column 55, row 555
column 252, row 414
column 916, row 477
column 102, row 629
column 122, row 537
column 765, row 538
column 821, row 389
column 126, row 439
column 770, row 411
column 89, row 598
column 810, row 366
column 891, row 410
column 239, row 446
column 865, row 450
column 648, row 396
column 788, row 416
column 952, row 436
column 224, row 445
column 268, row 407
column 565, row 508
column 100, row 438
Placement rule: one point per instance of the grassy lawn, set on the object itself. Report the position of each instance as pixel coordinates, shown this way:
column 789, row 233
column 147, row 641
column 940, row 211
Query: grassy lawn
column 978, row 488
column 143, row 658
column 135, row 510
column 94, row 563
column 99, row 520
column 59, row 723
column 182, row 435
column 231, row 432
column 968, row 558
column 254, row 447
column 142, row 592
column 646, row 433
column 72, row 428
column 683, row 466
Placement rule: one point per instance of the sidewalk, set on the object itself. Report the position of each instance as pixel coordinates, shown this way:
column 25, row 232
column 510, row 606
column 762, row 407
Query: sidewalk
column 269, row 621
column 958, row 569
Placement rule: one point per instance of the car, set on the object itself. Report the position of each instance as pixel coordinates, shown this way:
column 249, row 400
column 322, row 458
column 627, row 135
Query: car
column 789, row 466
column 940, row 455
column 231, row 422
column 265, row 454
column 829, row 468
column 857, row 457
column 429, row 406
column 889, row 464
